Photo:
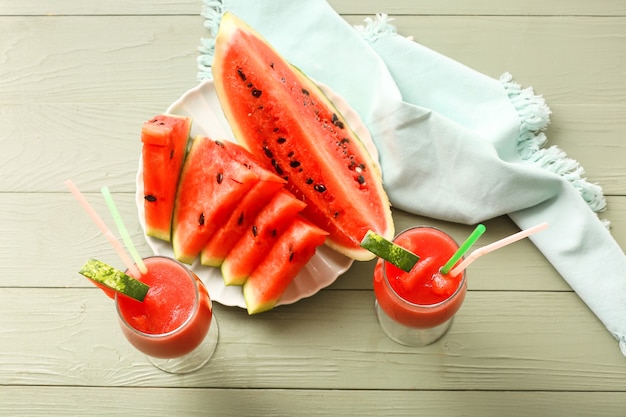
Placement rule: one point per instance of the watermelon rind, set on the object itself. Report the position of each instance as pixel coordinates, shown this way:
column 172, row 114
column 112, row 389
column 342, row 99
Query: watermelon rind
column 114, row 279
column 389, row 251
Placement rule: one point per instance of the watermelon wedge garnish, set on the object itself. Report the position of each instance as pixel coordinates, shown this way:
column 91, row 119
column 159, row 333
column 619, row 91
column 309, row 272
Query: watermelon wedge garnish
column 111, row 280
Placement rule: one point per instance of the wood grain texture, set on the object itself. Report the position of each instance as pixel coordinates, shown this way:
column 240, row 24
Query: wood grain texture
column 37, row 225
column 154, row 57
column 369, row 7
column 72, row 119
column 156, row 402
column 499, row 341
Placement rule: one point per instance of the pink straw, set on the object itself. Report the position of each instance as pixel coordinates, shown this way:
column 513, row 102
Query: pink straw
column 103, row 228
column 496, row 245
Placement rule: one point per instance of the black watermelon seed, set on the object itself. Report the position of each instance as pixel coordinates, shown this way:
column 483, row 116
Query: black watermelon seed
column 360, row 179
column 309, row 181
column 220, row 144
column 320, row 188
column 281, row 140
column 219, row 177
column 256, row 93
column 268, row 152
column 291, row 256
column 305, row 91
column 240, row 219
column 294, row 164
column 241, row 74
column 255, row 231
column 201, row 219
column 150, row 198
column 277, row 167
column 337, row 122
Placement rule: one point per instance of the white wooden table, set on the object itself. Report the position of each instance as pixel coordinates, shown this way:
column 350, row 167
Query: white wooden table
column 78, row 78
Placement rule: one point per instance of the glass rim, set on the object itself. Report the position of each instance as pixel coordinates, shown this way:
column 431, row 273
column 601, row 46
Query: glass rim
column 423, row 306
column 196, row 304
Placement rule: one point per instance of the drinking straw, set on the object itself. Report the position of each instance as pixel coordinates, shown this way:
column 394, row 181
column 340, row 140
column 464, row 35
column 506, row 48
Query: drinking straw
column 103, row 227
column 122, row 229
column 473, row 237
column 496, row 245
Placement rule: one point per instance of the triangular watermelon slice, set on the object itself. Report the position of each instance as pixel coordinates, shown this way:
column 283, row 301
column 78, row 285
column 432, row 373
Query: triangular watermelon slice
column 164, row 139
column 255, row 243
column 279, row 267
column 243, row 215
column 211, row 185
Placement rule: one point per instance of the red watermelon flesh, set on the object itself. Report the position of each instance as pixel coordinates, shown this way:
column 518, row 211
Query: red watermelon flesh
column 293, row 249
column 225, row 237
column 211, row 185
column 281, row 116
column 253, row 246
column 164, row 139
column 223, row 240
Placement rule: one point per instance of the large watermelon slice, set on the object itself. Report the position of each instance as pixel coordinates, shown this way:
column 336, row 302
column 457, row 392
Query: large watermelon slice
column 241, row 218
column 164, row 148
column 254, row 245
column 211, row 185
column 286, row 258
column 279, row 114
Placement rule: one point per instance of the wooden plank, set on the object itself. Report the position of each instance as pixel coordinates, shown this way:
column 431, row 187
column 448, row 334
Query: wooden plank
column 99, row 142
column 92, row 401
column 138, row 63
column 499, row 341
column 561, row 57
column 148, row 59
column 467, row 7
column 36, row 225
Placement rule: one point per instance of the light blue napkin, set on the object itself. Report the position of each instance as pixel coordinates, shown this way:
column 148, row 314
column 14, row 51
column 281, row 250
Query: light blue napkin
column 454, row 144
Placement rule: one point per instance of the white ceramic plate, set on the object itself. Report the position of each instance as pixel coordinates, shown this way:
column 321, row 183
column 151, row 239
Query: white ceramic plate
column 202, row 105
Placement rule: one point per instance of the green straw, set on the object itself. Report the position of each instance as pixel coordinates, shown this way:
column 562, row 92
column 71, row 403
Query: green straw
column 123, row 231
column 478, row 231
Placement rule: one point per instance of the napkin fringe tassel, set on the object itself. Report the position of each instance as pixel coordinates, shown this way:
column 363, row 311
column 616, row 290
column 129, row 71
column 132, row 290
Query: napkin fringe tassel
column 212, row 11
column 534, row 117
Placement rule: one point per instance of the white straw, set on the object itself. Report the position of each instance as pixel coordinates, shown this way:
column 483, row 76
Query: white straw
column 496, row 245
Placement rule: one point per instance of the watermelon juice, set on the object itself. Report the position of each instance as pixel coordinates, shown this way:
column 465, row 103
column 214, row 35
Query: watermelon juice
column 416, row 308
column 173, row 320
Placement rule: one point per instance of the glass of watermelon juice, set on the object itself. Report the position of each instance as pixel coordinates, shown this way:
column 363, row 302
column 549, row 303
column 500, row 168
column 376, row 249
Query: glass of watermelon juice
column 174, row 326
column 416, row 308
